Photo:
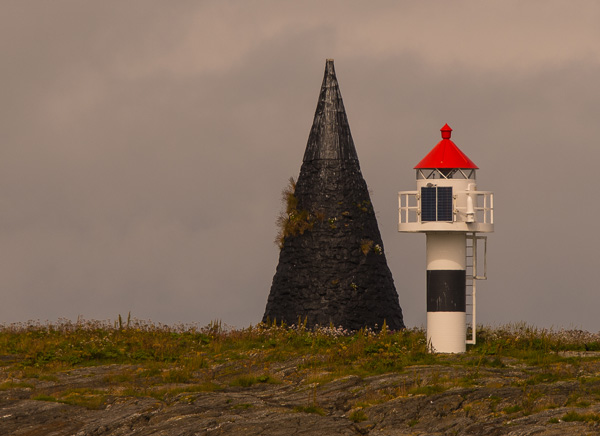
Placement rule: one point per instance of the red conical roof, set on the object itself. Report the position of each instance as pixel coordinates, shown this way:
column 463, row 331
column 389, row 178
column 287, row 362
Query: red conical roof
column 446, row 154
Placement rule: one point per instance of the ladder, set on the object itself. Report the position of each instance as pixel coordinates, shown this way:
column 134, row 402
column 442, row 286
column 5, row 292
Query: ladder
column 472, row 242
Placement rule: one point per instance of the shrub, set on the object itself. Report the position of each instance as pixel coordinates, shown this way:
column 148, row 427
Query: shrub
column 512, row 409
column 244, row 381
column 358, row 416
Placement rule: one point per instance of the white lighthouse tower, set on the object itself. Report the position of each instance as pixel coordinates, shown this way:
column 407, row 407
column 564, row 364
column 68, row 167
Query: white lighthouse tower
column 449, row 209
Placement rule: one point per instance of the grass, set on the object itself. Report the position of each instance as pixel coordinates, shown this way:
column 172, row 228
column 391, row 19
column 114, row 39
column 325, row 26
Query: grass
column 427, row 390
column 176, row 353
column 164, row 362
column 88, row 398
column 15, row 385
column 187, row 349
column 578, row 417
column 512, row 409
column 244, row 381
column 358, row 415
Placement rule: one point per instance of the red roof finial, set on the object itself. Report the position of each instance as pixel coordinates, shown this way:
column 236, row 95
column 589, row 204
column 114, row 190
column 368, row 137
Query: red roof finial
column 446, row 131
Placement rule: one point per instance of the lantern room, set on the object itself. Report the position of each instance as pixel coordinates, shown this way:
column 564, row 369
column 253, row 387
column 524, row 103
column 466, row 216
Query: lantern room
column 446, row 198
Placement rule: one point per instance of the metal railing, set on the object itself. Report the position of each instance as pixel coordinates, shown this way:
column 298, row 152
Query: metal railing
column 409, row 210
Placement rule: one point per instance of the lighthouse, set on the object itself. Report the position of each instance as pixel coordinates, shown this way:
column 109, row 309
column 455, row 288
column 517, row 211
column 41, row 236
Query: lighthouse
column 452, row 213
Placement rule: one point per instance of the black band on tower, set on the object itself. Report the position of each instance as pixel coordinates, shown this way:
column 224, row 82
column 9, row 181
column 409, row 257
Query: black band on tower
column 446, row 290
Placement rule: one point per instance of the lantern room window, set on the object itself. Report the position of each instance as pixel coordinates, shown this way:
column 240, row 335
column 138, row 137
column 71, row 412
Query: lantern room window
column 446, row 173
column 436, row 203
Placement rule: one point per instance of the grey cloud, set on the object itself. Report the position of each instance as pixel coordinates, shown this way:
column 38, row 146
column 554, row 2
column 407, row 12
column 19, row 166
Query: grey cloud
column 146, row 183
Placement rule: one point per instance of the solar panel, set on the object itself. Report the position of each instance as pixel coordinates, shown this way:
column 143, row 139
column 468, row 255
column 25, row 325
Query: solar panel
column 444, row 203
column 428, row 207
column 436, row 203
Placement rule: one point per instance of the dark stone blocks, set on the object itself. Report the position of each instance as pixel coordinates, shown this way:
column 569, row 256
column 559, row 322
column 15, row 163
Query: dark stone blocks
column 337, row 272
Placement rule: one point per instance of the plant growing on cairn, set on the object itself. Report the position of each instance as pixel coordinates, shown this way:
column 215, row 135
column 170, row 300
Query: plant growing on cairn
column 293, row 221
column 366, row 245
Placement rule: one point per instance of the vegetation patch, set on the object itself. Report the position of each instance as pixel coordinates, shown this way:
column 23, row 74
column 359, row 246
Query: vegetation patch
column 293, row 221
column 544, row 377
column 586, row 417
column 358, row 415
column 365, row 206
column 88, row 398
column 176, row 354
column 175, row 363
column 15, row 385
column 244, row 381
column 366, row 245
column 427, row 390
column 176, row 376
column 513, row 409
column 412, row 422
column 43, row 397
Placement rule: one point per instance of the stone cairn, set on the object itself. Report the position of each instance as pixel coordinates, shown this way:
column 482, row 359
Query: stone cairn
column 332, row 267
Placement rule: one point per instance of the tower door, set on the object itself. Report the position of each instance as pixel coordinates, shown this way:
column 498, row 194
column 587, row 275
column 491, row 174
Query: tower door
column 436, row 203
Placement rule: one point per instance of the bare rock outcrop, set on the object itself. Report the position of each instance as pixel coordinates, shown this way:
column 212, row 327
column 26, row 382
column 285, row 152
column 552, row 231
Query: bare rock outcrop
column 511, row 400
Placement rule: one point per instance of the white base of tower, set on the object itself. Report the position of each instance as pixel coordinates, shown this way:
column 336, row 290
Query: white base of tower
column 446, row 250
column 446, row 332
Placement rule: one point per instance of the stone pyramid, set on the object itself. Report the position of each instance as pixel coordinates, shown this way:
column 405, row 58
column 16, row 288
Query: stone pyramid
column 333, row 269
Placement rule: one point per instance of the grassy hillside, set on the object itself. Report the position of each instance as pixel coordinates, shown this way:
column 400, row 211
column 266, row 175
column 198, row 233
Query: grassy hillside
column 166, row 363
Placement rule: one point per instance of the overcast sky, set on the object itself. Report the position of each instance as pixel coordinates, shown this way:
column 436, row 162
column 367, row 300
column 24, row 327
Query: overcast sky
column 144, row 146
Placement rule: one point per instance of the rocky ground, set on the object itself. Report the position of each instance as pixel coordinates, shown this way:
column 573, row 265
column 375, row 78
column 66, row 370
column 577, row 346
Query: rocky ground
column 506, row 398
